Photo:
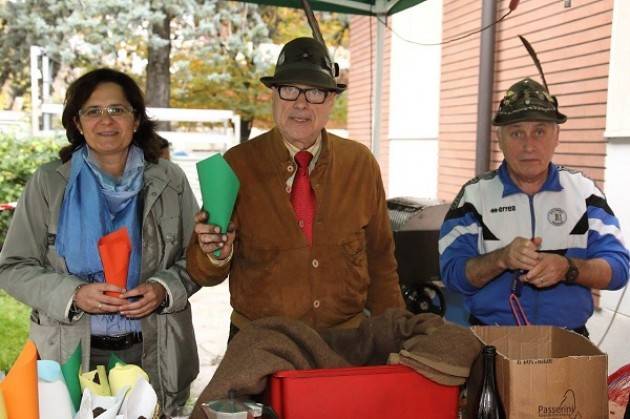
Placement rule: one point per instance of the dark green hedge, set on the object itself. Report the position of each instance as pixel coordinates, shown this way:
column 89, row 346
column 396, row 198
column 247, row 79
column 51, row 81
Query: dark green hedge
column 19, row 158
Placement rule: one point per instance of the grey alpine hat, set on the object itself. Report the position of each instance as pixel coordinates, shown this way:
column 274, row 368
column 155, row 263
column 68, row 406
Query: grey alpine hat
column 305, row 61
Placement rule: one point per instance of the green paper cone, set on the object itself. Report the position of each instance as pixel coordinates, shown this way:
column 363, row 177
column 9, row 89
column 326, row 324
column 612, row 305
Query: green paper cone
column 113, row 361
column 70, row 370
column 219, row 188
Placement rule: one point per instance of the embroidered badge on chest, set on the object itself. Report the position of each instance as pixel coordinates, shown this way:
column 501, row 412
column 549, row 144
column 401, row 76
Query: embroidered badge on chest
column 557, row 216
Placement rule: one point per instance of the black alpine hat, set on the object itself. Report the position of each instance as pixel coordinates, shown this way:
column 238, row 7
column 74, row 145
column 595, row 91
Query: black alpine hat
column 305, row 61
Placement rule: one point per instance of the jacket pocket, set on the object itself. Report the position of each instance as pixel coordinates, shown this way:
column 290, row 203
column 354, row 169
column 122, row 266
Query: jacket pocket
column 355, row 255
column 257, row 260
column 46, row 334
column 255, row 281
column 354, row 249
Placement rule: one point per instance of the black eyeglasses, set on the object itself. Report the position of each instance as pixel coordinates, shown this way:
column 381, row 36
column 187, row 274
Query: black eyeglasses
column 313, row 95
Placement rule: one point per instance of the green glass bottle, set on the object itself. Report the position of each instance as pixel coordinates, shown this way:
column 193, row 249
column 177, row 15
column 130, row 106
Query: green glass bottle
column 489, row 404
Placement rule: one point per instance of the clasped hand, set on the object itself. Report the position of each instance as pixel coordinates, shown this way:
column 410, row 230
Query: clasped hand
column 539, row 269
column 136, row 303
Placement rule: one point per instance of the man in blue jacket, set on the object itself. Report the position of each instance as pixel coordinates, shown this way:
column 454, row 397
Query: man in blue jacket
column 531, row 228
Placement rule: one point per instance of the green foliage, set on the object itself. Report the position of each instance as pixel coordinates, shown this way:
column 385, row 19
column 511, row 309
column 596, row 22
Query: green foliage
column 14, row 331
column 218, row 49
column 339, row 114
column 225, row 72
column 228, row 84
column 286, row 23
column 80, row 35
column 18, row 160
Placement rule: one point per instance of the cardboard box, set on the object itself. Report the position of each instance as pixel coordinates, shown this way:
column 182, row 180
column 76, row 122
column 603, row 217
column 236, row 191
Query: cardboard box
column 388, row 391
column 545, row 372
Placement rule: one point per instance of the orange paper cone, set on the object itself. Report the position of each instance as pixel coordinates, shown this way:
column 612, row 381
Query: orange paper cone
column 114, row 250
column 19, row 388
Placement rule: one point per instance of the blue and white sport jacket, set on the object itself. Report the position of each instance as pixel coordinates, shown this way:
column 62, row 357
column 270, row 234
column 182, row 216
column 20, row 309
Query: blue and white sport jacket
column 570, row 214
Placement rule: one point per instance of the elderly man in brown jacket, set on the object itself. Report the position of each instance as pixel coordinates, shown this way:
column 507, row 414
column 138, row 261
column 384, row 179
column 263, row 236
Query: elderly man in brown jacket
column 310, row 237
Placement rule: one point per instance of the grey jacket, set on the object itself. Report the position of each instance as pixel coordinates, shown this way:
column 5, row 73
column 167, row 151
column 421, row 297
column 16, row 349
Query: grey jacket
column 32, row 272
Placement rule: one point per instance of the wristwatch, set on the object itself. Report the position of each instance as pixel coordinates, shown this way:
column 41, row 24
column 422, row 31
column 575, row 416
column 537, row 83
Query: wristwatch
column 572, row 272
column 74, row 308
column 165, row 303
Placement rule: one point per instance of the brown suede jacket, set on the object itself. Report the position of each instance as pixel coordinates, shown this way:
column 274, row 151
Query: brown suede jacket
column 273, row 272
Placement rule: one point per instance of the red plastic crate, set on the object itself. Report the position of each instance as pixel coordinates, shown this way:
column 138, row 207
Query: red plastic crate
column 381, row 392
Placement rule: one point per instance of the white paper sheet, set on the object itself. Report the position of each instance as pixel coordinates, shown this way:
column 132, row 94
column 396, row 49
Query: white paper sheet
column 111, row 405
column 140, row 401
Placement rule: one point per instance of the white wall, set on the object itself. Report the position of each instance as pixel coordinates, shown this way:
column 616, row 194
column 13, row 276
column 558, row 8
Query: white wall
column 617, row 164
column 414, row 101
column 618, row 107
column 618, row 133
column 413, row 168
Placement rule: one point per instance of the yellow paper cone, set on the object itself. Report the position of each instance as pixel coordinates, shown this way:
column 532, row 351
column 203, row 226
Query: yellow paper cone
column 3, row 410
column 96, row 381
column 125, row 375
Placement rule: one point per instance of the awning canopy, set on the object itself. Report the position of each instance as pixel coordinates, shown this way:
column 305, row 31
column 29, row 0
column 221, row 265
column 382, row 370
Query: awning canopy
column 357, row 7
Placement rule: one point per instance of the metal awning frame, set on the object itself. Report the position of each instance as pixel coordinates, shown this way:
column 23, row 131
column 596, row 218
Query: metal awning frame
column 380, row 7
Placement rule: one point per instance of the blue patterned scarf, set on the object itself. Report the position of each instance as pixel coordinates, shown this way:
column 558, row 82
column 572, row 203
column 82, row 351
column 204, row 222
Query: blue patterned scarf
column 94, row 205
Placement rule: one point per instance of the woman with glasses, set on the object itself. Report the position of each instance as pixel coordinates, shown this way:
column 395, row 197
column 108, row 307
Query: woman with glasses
column 109, row 178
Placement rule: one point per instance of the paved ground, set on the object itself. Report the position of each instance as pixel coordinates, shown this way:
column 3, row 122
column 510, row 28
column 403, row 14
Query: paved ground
column 211, row 318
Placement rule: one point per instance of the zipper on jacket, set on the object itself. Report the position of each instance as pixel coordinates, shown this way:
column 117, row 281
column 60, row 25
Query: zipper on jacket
column 532, row 215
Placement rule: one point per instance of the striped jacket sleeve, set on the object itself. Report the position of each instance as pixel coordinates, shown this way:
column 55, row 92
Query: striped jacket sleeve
column 605, row 239
column 459, row 236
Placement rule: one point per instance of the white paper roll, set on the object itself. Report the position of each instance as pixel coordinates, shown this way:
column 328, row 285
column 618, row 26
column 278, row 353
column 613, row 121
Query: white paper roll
column 54, row 398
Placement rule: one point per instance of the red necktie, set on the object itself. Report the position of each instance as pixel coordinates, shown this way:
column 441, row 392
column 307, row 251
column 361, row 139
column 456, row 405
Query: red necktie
column 302, row 195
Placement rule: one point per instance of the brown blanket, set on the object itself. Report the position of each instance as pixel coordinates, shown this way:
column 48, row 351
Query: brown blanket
column 274, row 344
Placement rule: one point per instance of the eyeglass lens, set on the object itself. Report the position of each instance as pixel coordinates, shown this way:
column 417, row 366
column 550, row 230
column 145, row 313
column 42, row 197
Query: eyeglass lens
column 313, row 95
column 115, row 111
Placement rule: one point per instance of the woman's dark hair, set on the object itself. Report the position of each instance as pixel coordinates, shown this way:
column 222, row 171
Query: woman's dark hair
column 80, row 91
